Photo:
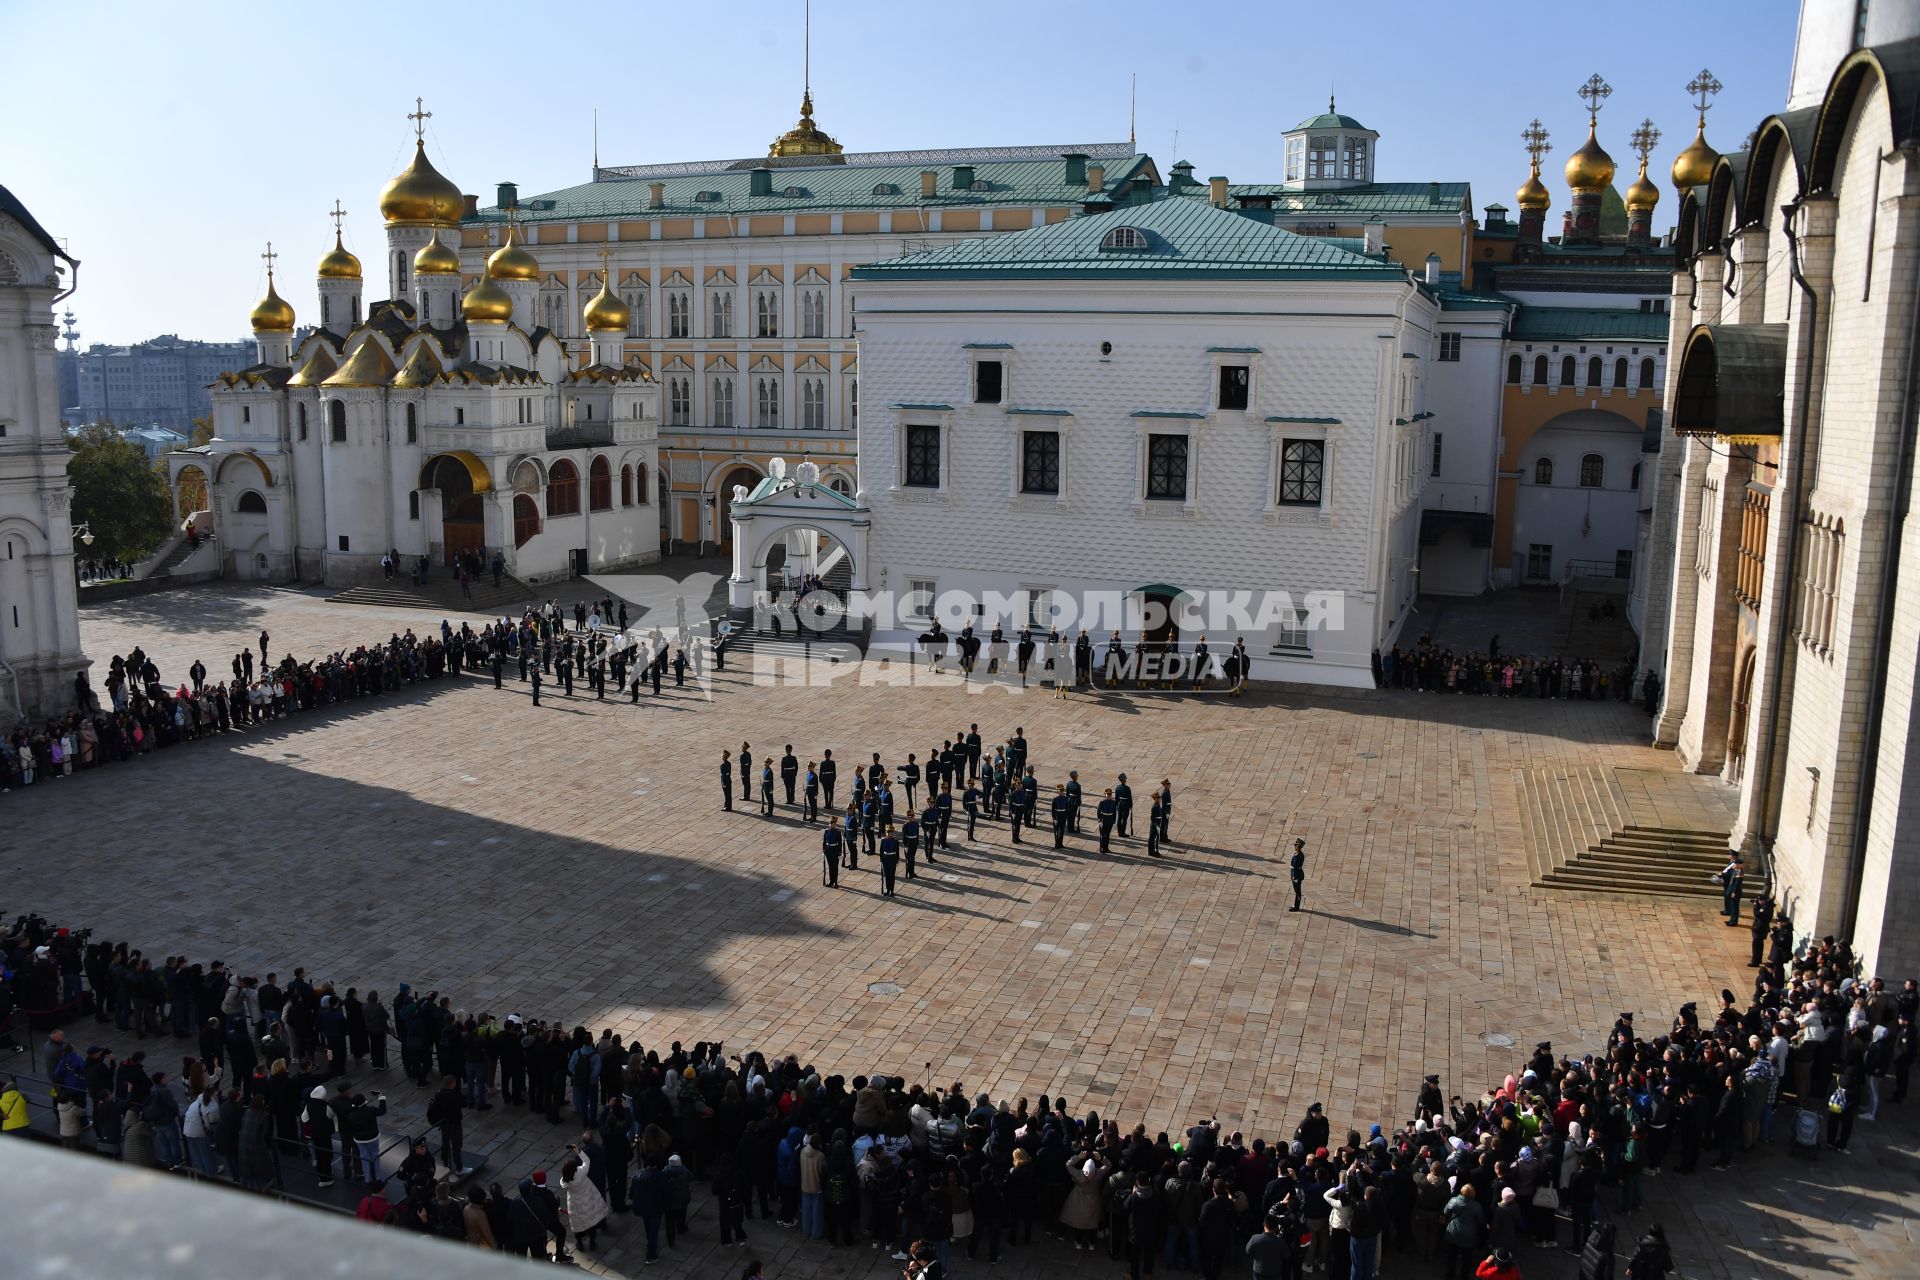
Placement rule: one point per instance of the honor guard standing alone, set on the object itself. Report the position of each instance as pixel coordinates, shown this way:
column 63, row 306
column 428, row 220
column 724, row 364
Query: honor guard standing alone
column 1297, row 870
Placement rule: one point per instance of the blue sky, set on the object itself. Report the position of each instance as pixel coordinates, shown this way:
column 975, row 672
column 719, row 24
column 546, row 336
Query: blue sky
column 168, row 142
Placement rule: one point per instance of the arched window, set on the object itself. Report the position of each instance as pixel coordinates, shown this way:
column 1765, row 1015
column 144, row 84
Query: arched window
column 1124, row 239
column 563, row 489
column 303, row 421
column 722, row 404
column 1539, row 371
column 766, row 393
column 1635, row 482
column 626, row 486
column 1620, row 373
column 1646, row 374
column 1593, row 471
column 326, row 311
column 722, row 315
column 337, row 420
column 766, row 314
column 600, row 484
column 1566, row 372
column 1593, row 372
column 526, row 519
column 1513, row 368
column 813, row 403
column 1543, row 471
column 413, row 424
column 640, row 482
column 251, row 503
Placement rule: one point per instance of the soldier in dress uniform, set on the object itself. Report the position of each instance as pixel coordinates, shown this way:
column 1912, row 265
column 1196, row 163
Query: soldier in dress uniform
column 536, row 686
column 910, row 841
column 1074, row 794
column 1018, row 807
column 499, row 667
column 1062, row 812
column 1033, row 794
column 766, row 790
column 829, row 771
column 813, row 792
column 1297, row 870
column 746, row 772
column 870, row 821
column 850, row 837
column 1017, row 751
column 830, row 844
column 1105, row 813
column 973, row 752
column 972, row 802
column 789, row 771
column 910, row 777
column 1154, row 816
column 1166, row 811
column 930, row 825
column 945, row 806
column 1123, row 806
column 726, row 780
column 889, row 860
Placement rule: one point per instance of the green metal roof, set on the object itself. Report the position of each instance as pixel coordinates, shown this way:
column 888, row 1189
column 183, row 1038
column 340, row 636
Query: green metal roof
column 820, row 188
column 1185, row 238
column 1570, row 324
column 1319, row 422
column 1165, row 413
column 1042, row 413
column 1350, row 202
column 1329, row 120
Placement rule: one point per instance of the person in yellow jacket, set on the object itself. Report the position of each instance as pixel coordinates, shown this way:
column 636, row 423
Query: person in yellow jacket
column 13, row 1108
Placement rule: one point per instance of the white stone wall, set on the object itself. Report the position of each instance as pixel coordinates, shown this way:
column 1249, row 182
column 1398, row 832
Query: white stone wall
column 1333, row 351
column 1465, row 396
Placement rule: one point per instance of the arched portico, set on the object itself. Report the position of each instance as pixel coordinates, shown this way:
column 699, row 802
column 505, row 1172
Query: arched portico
column 831, row 528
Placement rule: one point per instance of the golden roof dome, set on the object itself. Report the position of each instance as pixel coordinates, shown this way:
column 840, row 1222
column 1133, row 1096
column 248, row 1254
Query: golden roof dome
column 511, row 261
column 272, row 314
column 419, row 194
column 368, row 366
column 1642, row 195
column 605, row 311
column 436, row 258
column 805, row 138
column 1694, row 166
column 1533, row 192
column 338, row 264
column 487, row 301
column 1590, row 168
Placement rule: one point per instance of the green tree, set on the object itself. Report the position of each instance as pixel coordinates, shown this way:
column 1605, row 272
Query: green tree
column 202, row 432
column 120, row 498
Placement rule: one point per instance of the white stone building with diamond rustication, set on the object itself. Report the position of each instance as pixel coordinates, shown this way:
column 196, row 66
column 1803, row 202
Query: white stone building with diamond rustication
column 39, row 618
column 1786, row 532
column 1166, row 401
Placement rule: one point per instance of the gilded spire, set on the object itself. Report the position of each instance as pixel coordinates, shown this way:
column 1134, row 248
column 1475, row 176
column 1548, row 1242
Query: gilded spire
column 1643, row 194
column 805, row 138
column 1693, row 167
column 1533, row 192
column 1591, row 168
column 272, row 314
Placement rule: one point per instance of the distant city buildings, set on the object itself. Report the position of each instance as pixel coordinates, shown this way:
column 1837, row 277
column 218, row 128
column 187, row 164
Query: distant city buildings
column 160, row 382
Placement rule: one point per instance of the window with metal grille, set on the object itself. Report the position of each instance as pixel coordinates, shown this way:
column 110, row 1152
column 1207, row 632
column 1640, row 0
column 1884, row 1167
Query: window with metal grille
column 1167, row 468
column 1124, row 238
column 1540, row 561
column 1543, row 471
column 923, row 456
column 1302, row 469
column 600, row 485
column 1434, row 470
column 1593, row 471
column 1449, row 346
column 563, row 489
column 1235, row 380
column 988, row 380
column 1040, row 462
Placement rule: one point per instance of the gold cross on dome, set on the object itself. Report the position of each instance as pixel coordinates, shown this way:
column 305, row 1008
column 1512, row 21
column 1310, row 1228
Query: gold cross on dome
column 1644, row 139
column 419, row 115
column 1535, row 135
column 336, row 213
column 269, row 256
column 1594, row 92
column 1703, row 87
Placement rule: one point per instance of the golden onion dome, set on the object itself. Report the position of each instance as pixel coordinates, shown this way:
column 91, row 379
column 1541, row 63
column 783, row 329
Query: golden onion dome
column 273, row 313
column 1642, row 195
column 338, row 263
column 511, row 261
column 1533, row 192
column 487, row 301
column 419, row 194
column 605, row 311
column 436, row 258
column 1590, row 168
column 1694, row 166
column 805, row 138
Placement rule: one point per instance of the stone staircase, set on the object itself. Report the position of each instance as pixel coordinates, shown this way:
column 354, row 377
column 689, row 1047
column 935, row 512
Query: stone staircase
column 1582, row 635
column 1584, row 830
column 442, row 594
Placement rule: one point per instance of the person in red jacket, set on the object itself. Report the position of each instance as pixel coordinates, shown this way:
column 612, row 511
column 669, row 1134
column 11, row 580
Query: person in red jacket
column 1498, row 1267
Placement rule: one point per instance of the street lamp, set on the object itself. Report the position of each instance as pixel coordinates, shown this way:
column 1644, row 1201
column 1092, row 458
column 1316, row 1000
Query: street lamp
column 85, row 530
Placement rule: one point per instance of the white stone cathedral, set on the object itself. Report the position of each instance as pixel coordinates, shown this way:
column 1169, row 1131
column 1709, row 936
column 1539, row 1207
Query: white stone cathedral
column 39, row 623
column 429, row 424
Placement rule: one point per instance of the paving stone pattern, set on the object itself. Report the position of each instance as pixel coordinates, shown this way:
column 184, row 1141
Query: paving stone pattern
column 573, row 861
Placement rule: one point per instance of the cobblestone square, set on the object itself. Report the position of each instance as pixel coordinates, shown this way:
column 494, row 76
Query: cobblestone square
column 573, row 861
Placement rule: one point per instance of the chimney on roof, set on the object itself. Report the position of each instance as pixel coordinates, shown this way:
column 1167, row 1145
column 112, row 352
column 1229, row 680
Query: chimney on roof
column 963, row 177
column 507, row 195
column 1096, row 177
column 1433, row 268
column 469, row 205
column 1375, row 237
column 1076, row 167
column 656, row 195
column 760, row 181
column 1217, row 192
column 929, row 184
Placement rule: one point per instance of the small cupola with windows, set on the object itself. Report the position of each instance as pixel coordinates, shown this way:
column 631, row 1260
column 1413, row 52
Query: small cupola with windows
column 1328, row 152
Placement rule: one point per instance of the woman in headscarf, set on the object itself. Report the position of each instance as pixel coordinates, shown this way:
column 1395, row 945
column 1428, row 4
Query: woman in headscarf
column 1081, row 1213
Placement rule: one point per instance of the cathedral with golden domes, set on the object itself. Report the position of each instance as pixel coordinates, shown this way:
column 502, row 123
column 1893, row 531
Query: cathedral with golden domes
column 439, row 423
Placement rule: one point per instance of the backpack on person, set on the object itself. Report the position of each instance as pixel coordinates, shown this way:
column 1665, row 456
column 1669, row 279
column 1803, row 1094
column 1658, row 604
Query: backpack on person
column 582, row 1069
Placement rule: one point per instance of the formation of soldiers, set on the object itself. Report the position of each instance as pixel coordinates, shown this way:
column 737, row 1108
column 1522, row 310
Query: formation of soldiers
column 887, row 818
